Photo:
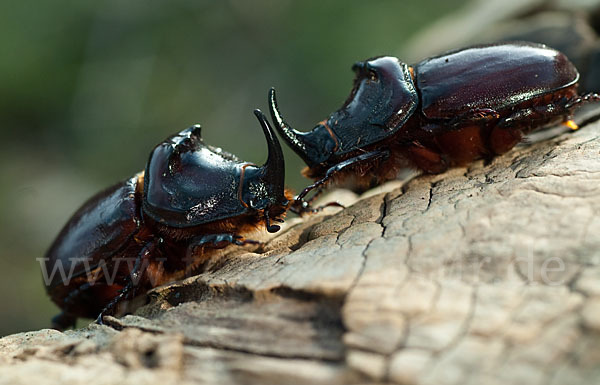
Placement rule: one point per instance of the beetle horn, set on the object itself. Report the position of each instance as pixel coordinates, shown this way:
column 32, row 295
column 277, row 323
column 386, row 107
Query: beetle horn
column 313, row 147
column 274, row 167
column 298, row 141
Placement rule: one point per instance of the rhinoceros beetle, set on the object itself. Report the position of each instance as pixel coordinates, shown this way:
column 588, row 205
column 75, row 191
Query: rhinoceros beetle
column 445, row 111
column 191, row 198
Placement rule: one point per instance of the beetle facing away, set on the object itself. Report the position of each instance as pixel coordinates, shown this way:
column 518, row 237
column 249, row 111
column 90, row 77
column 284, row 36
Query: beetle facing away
column 191, row 197
column 445, row 111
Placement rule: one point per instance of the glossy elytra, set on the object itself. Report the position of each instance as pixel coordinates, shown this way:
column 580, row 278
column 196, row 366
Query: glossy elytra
column 161, row 224
column 445, row 111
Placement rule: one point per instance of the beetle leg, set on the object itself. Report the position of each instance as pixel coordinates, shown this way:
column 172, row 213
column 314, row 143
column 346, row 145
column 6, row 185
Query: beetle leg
column 315, row 195
column 426, row 159
column 303, row 206
column 583, row 99
column 73, row 294
column 510, row 130
column 63, row 321
column 300, row 207
column 476, row 115
column 320, row 208
column 133, row 280
column 507, row 133
column 218, row 241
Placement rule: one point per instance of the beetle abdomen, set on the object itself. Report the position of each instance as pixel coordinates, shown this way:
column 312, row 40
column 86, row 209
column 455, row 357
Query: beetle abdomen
column 100, row 228
column 495, row 77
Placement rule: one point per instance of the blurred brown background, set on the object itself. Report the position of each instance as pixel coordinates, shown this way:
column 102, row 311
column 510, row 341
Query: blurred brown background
column 88, row 88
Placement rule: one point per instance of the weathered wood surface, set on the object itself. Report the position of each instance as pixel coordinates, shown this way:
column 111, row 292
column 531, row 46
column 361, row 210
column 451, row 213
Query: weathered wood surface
column 486, row 275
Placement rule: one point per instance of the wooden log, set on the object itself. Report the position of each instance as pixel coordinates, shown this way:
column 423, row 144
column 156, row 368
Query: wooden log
column 485, row 275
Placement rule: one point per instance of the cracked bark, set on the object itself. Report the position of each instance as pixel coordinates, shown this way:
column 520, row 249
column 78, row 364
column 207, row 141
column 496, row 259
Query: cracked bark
column 489, row 274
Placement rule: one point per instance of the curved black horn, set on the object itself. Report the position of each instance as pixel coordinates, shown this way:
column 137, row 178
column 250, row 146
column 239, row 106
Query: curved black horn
column 274, row 167
column 313, row 147
column 296, row 140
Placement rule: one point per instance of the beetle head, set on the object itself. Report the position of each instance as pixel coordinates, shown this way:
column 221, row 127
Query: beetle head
column 189, row 183
column 382, row 99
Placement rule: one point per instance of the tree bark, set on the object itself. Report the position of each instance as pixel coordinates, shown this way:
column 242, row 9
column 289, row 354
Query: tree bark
column 485, row 275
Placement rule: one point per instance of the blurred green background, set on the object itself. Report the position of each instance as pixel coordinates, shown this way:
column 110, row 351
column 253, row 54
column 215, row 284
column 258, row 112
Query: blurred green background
column 88, row 88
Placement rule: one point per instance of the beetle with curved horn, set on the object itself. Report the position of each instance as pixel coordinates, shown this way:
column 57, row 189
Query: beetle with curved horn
column 161, row 224
column 443, row 112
